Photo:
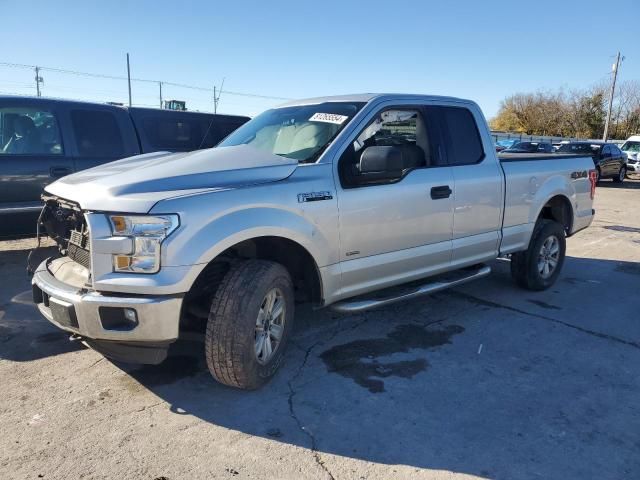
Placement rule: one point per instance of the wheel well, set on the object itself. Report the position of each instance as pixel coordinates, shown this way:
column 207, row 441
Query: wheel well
column 293, row 256
column 559, row 209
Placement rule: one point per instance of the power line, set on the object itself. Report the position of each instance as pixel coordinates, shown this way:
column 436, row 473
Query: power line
column 116, row 77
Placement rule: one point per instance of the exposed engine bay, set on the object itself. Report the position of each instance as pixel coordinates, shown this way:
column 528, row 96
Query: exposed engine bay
column 64, row 223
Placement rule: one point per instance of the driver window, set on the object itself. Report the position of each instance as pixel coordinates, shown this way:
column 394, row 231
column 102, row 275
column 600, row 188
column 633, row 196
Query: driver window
column 404, row 129
column 28, row 131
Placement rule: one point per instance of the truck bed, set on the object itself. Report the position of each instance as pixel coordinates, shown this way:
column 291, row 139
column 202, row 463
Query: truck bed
column 530, row 181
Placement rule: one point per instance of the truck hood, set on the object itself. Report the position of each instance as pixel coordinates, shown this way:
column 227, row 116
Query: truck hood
column 137, row 183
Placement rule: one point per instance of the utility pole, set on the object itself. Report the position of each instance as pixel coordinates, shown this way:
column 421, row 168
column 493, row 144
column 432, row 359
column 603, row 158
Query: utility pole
column 216, row 96
column 129, row 79
column 160, row 85
column 613, row 89
column 39, row 80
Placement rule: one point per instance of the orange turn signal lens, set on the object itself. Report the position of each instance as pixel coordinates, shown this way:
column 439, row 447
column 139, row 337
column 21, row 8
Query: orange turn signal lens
column 119, row 224
column 122, row 262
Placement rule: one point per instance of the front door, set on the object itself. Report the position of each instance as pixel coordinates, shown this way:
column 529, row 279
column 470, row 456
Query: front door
column 398, row 230
column 32, row 155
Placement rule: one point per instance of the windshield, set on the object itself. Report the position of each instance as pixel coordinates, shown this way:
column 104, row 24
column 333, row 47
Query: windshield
column 301, row 132
column 633, row 147
column 578, row 148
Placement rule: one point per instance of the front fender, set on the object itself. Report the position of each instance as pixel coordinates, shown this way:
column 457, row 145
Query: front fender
column 210, row 240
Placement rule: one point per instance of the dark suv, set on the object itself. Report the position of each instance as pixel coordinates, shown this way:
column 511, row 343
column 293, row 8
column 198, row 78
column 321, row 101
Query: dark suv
column 42, row 140
column 610, row 161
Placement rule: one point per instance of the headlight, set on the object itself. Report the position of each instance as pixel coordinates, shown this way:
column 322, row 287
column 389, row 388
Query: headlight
column 147, row 233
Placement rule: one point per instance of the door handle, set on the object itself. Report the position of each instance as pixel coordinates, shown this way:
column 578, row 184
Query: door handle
column 442, row 191
column 59, row 171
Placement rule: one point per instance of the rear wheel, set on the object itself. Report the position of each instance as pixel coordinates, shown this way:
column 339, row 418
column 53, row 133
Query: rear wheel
column 621, row 174
column 249, row 324
column 539, row 266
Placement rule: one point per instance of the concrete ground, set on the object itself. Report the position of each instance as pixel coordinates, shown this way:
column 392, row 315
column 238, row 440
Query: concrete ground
column 485, row 381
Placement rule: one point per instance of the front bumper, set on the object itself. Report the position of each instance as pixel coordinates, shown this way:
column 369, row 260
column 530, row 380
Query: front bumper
column 633, row 167
column 84, row 313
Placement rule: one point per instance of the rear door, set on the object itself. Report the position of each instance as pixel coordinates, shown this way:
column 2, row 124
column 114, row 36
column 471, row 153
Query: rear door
column 605, row 161
column 174, row 131
column 100, row 135
column 620, row 158
column 32, row 155
column 478, row 185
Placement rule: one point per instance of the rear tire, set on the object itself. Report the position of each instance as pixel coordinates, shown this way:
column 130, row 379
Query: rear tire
column 249, row 324
column 539, row 266
column 621, row 174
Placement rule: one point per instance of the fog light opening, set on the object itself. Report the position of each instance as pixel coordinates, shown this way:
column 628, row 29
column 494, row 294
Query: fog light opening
column 118, row 318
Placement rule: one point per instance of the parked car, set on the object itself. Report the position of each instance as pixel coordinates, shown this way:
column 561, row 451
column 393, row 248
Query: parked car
column 326, row 200
column 504, row 144
column 631, row 149
column 45, row 139
column 609, row 160
column 530, row 147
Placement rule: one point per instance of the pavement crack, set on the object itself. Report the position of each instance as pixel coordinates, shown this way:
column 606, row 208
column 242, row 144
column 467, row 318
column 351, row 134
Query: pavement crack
column 293, row 392
column 95, row 363
column 489, row 303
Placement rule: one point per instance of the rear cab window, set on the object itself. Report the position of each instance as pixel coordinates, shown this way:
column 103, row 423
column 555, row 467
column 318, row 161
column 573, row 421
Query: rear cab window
column 29, row 131
column 460, row 135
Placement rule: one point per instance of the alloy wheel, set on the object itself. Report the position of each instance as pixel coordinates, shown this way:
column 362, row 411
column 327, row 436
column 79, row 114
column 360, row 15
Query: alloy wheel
column 269, row 325
column 549, row 256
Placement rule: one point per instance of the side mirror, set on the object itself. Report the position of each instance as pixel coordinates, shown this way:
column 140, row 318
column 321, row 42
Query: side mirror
column 380, row 163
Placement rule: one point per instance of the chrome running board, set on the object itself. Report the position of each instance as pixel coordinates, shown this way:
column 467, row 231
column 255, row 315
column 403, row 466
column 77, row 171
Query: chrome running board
column 358, row 304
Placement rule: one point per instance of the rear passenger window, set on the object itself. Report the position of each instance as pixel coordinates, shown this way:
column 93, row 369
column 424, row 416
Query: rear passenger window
column 97, row 134
column 173, row 134
column 28, row 131
column 462, row 139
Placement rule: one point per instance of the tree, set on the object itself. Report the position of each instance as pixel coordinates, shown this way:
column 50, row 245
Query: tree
column 578, row 113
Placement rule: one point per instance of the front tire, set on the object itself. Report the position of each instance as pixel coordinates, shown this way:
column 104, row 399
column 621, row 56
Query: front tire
column 539, row 266
column 249, row 324
column 621, row 174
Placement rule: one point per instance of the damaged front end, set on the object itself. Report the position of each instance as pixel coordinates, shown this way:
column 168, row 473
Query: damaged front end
column 63, row 221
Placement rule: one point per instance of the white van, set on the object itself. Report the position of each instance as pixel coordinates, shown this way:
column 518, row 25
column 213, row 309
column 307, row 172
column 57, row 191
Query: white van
column 632, row 148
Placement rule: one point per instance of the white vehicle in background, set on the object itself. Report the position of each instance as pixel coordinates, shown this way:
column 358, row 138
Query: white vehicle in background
column 632, row 149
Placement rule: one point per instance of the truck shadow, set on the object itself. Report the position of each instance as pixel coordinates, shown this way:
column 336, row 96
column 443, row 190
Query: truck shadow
column 24, row 334
column 390, row 388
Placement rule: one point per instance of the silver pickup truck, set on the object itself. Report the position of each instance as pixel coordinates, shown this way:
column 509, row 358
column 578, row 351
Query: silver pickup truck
column 326, row 200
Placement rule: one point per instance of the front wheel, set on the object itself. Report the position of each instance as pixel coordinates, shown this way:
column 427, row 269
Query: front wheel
column 539, row 266
column 621, row 174
column 249, row 324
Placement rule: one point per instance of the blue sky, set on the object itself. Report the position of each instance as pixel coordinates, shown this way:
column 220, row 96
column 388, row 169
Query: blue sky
column 483, row 50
